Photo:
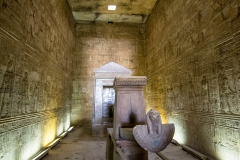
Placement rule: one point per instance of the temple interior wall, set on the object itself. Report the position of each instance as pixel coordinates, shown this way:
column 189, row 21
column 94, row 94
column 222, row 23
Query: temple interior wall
column 189, row 51
column 36, row 51
column 96, row 45
column 192, row 66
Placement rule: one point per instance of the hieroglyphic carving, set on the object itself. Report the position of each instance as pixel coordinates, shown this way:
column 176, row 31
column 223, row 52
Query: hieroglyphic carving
column 34, row 79
column 227, row 91
column 160, row 92
column 131, row 81
column 207, row 129
column 168, row 50
column 7, row 89
column 22, row 100
column 28, row 104
column 192, row 96
column 177, row 92
column 170, row 98
column 94, row 49
column 227, row 138
column 204, row 95
column 209, row 65
column 25, row 132
column 214, row 104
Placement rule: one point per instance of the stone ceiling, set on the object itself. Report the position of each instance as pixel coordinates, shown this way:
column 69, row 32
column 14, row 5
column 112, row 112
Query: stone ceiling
column 134, row 11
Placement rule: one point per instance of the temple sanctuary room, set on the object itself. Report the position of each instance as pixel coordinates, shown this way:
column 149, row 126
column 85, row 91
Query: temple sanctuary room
column 120, row 79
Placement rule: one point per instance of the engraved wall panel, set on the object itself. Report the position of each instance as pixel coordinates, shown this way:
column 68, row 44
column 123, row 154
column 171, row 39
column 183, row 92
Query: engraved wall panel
column 96, row 45
column 192, row 65
column 35, row 75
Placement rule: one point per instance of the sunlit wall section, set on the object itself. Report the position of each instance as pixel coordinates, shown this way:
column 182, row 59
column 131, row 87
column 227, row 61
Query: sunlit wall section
column 154, row 96
column 36, row 52
column 192, row 65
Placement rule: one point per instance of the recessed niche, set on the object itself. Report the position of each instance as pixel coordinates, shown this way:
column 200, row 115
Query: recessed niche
column 104, row 96
column 108, row 97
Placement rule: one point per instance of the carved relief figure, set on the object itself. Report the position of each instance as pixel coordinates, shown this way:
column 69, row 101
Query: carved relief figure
column 41, row 94
column 168, row 50
column 38, row 9
column 22, row 64
column 54, row 95
column 20, row 98
column 232, row 97
column 226, row 94
column 6, row 90
column 29, row 17
column 170, row 98
column 34, row 90
column 192, row 96
column 204, row 95
column 177, row 97
column 45, row 90
column 161, row 97
column 237, row 108
column 24, row 90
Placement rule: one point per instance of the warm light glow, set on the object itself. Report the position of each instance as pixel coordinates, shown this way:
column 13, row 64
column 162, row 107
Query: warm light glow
column 63, row 134
column 179, row 134
column 67, row 121
column 33, row 145
column 179, row 137
column 112, row 7
column 49, row 132
column 41, row 154
column 51, row 145
column 60, row 128
column 43, row 137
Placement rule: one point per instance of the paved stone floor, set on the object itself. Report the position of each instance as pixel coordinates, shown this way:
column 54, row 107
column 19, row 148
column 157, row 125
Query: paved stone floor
column 79, row 145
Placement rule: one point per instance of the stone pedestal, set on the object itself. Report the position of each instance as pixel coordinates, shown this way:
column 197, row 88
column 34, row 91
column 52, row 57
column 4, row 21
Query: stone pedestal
column 129, row 108
column 129, row 111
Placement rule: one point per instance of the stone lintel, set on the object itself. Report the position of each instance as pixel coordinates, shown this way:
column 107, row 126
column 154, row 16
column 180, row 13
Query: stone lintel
column 130, row 81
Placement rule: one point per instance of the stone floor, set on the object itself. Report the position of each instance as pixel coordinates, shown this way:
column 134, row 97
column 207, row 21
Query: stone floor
column 79, row 145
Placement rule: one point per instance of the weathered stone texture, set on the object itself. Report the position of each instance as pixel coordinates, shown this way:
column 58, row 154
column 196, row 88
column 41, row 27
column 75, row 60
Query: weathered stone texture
column 96, row 45
column 192, row 66
column 36, row 51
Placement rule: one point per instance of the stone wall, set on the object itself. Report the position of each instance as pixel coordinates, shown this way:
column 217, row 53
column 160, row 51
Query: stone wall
column 193, row 70
column 36, row 51
column 96, row 45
